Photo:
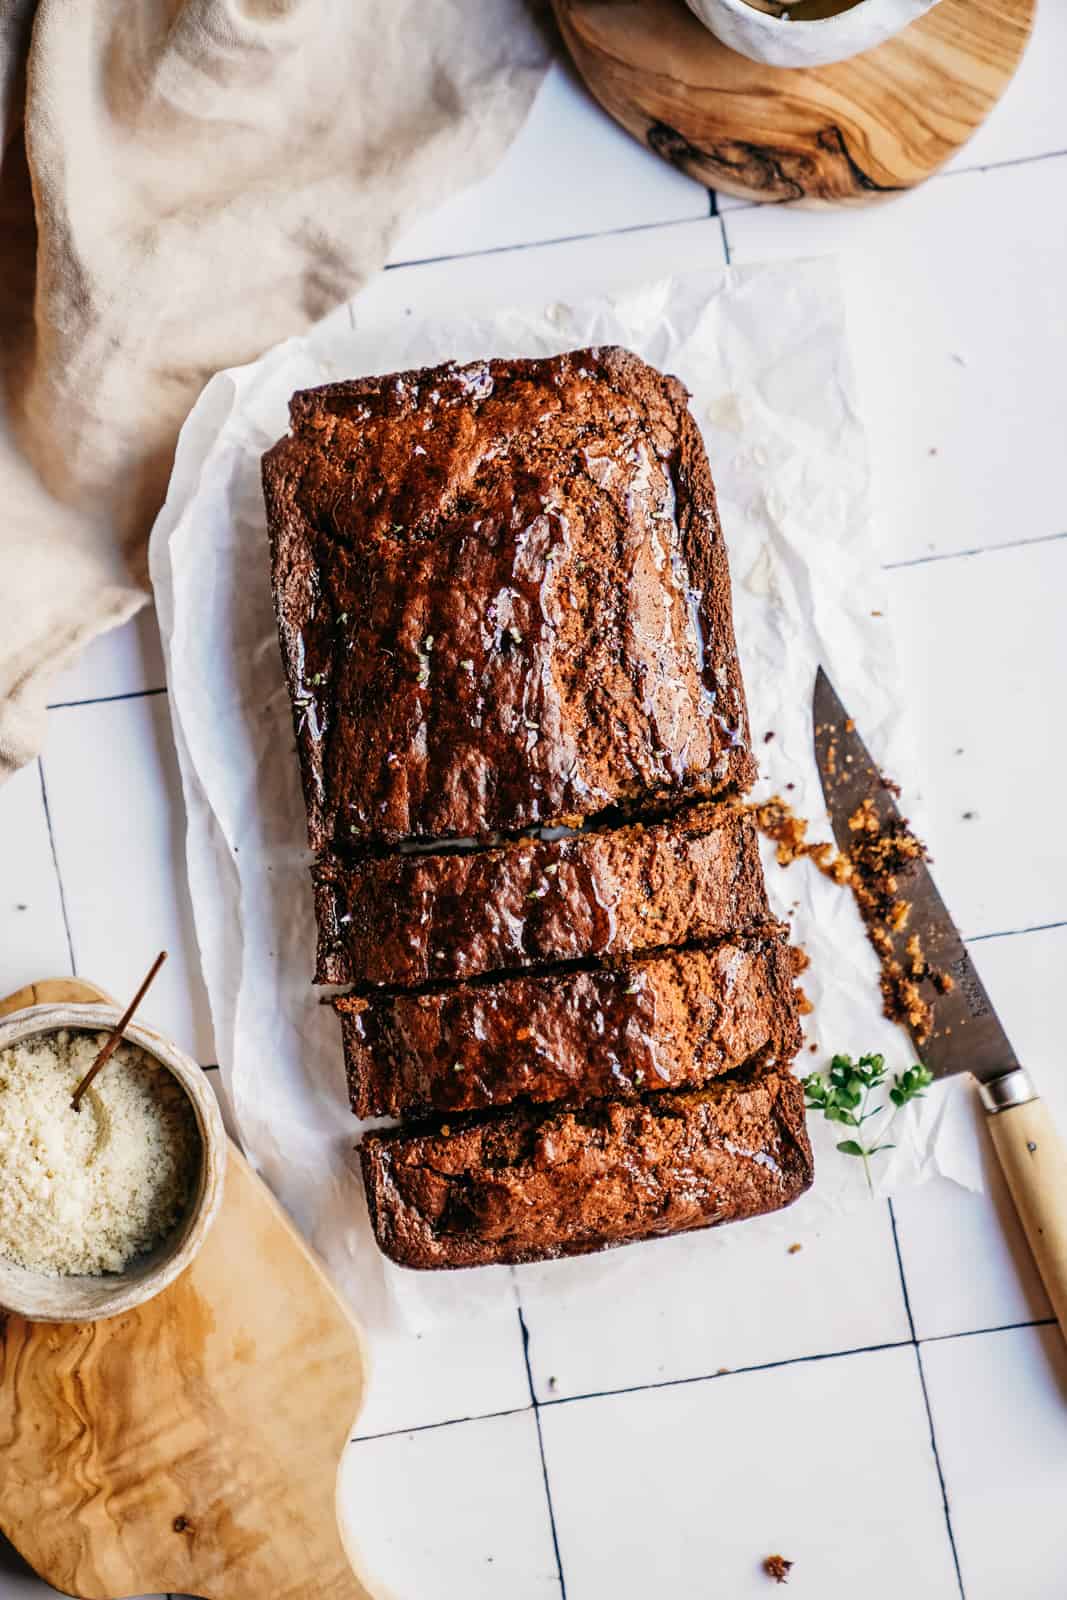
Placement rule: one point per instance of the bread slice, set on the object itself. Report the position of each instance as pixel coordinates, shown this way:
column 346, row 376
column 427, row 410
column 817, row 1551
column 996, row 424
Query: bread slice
column 406, row 919
column 503, row 599
column 673, row 1020
column 530, row 1184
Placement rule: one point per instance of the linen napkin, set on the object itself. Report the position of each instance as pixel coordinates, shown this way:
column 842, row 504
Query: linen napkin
column 183, row 183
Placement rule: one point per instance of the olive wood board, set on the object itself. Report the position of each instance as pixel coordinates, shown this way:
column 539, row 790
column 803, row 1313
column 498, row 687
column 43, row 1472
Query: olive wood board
column 853, row 132
column 190, row 1446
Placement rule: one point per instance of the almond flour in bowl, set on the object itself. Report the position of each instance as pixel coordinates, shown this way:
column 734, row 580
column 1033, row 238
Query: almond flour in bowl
column 101, row 1208
column 85, row 1193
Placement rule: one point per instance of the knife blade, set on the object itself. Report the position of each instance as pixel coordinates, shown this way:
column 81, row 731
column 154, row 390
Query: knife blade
column 965, row 1033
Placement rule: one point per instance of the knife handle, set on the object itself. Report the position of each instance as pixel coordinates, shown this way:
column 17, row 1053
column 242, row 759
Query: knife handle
column 1033, row 1158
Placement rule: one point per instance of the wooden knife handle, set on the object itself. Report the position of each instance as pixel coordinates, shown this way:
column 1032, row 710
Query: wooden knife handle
column 1034, row 1161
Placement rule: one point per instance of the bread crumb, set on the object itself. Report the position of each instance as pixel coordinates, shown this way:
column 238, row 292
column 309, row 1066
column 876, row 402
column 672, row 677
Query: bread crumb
column 778, row 1568
column 795, row 1249
column 879, row 857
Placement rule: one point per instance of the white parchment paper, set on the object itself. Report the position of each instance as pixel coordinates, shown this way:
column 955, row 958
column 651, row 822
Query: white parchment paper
column 764, row 353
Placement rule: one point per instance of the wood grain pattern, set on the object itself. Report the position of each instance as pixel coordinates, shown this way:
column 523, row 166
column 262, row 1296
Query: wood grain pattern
column 1034, row 1161
column 191, row 1445
column 849, row 133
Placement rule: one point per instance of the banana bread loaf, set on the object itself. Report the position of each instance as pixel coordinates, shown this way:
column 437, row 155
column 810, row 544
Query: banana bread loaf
column 404, row 919
column 503, row 599
column 672, row 1020
column 530, row 1184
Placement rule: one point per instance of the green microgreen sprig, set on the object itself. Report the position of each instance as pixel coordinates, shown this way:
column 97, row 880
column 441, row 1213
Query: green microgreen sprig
column 843, row 1096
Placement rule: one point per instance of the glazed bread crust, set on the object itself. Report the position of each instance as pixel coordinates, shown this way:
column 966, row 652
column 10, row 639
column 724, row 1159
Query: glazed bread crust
column 405, row 919
column 531, row 1184
column 503, row 599
column 673, row 1020
column 504, row 609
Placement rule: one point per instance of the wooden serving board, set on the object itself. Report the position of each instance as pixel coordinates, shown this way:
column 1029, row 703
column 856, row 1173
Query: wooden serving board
column 852, row 132
column 191, row 1446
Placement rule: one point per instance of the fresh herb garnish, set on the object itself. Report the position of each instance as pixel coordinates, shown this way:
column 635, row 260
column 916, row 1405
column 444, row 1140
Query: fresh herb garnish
column 910, row 1085
column 843, row 1096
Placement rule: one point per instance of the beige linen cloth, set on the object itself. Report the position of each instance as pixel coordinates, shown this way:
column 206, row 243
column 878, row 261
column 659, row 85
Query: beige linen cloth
column 183, row 183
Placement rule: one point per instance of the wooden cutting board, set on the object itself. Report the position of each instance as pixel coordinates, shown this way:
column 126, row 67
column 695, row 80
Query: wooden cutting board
column 192, row 1446
column 852, row 132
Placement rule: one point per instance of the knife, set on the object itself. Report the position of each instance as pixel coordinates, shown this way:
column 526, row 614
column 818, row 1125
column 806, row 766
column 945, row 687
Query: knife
column 966, row 1034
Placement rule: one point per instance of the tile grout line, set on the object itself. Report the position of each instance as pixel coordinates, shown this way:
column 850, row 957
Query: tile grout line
column 999, row 1327
column 728, row 1372
column 544, row 244
column 706, row 1377
column 524, row 1330
column 106, row 699
column 430, row 1427
column 55, row 866
column 956, row 172
column 1014, row 933
column 978, row 550
column 1009, row 161
column 926, row 1403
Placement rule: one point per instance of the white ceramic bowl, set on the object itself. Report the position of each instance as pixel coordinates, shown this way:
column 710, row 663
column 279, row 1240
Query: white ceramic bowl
column 47, row 1298
column 781, row 43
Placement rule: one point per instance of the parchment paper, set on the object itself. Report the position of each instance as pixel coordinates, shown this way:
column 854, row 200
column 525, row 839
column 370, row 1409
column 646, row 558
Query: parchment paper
column 764, row 352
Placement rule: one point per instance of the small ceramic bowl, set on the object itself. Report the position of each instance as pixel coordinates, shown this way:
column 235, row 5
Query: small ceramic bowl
column 44, row 1297
column 780, row 42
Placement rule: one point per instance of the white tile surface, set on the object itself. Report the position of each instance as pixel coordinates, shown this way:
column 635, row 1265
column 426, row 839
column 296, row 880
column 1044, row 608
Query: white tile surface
column 453, row 1513
column 126, row 660
column 983, row 660
column 999, row 1405
column 33, row 940
column 972, row 367
column 965, row 1258
column 545, row 274
column 469, row 1367
column 571, row 170
column 117, row 820
column 646, row 1332
column 958, row 323
column 1031, row 119
column 684, row 1491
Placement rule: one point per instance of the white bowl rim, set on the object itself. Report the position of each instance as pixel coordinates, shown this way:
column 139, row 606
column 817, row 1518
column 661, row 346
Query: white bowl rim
column 127, row 1293
column 767, row 19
